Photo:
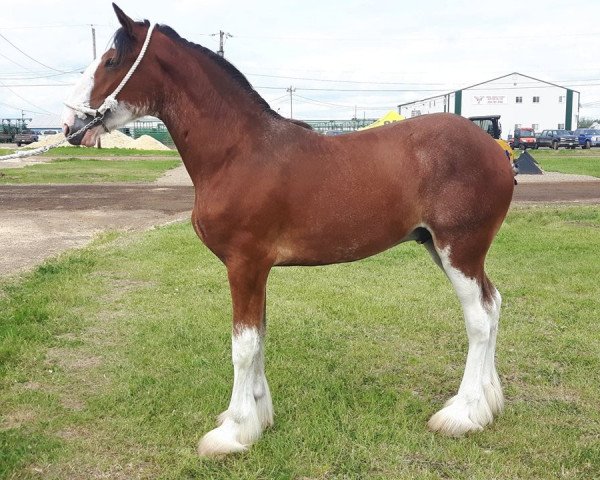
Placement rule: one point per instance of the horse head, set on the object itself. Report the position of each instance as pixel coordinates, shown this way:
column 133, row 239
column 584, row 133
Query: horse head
column 93, row 100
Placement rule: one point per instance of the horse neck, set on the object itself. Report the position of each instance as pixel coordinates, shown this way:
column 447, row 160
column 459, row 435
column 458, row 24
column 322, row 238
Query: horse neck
column 209, row 116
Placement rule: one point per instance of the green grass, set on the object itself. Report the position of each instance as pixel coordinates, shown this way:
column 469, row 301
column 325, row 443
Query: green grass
column 579, row 162
column 108, row 152
column 78, row 170
column 73, row 151
column 115, row 359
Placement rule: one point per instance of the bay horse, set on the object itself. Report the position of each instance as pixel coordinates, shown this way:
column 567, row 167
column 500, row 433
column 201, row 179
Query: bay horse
column 270, row 192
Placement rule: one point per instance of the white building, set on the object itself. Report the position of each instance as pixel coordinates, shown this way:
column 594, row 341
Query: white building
column 520, row 100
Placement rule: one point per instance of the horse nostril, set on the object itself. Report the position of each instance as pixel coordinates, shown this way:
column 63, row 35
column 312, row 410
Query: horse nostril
column 65, row 129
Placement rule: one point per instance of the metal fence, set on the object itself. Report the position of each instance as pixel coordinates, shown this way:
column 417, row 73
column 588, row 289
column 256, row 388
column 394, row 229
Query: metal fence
column 340, row 126
column 159, row 131
column 155, row 130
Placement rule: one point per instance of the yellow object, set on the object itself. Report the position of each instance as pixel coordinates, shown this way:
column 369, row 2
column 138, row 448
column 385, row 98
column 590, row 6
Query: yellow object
column 390, row 117
column 506, row 147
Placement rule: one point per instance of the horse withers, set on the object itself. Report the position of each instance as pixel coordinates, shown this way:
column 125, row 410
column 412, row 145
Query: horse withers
column 270, row 192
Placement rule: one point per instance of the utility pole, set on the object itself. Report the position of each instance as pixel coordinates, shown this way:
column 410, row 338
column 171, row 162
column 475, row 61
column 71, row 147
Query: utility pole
column 93, row 41
column 222, row 36
column 98, row 142
column 291, row 90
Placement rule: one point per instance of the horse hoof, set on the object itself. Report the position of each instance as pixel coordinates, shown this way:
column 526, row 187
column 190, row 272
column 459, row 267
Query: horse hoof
column 455, row 419
column 220, row 441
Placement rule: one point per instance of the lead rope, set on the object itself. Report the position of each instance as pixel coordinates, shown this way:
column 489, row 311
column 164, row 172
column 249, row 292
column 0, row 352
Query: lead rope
column 110, row 103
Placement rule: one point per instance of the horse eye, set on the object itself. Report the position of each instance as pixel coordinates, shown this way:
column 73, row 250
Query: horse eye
column 109, row 62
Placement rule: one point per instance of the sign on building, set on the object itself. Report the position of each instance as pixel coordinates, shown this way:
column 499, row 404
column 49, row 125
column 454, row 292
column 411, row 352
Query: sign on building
column 490, row 99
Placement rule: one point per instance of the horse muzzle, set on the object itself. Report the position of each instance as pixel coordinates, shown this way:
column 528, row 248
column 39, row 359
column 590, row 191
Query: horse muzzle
column 78, row 124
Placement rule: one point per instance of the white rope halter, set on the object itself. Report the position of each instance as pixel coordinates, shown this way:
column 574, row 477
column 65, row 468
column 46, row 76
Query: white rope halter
column 110, row 102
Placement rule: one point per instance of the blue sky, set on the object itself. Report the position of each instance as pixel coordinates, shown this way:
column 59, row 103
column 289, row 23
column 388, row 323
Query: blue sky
column 341, row 57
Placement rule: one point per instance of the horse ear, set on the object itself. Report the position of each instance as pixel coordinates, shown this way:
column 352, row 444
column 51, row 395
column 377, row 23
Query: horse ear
column 124, row 20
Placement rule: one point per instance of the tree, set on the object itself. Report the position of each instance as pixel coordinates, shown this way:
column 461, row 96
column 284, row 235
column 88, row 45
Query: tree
column 587, row 122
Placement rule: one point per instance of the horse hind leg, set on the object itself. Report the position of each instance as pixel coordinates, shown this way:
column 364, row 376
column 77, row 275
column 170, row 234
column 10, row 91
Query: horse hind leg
column 491, row 380
column 479, row 396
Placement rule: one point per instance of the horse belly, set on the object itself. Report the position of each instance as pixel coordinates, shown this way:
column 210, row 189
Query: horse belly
column 348, row 235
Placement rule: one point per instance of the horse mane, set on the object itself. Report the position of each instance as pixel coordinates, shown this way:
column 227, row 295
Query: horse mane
column 123, row 44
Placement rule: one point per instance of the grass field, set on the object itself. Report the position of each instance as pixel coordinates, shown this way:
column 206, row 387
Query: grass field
column 73, row 151
column 89, row 170
column 115, row 359
column 108, row 152
column 579, row 162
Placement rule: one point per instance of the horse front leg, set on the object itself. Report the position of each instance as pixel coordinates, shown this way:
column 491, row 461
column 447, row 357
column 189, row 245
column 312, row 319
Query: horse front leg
column 250, row 410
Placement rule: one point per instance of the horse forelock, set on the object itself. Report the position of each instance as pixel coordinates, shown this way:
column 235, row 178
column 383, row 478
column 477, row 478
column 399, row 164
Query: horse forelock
column 123, row 44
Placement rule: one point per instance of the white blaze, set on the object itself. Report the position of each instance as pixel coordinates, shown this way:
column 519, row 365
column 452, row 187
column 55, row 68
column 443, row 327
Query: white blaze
column 80, row 94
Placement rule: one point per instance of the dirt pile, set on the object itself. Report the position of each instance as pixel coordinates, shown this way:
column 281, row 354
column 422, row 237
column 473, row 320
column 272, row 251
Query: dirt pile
column 114, row 139
column 146, row 142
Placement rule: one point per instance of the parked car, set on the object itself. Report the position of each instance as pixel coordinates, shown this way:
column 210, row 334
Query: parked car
column 588, row 137
column 25, row 137
column 523, row 138
column 557, row 138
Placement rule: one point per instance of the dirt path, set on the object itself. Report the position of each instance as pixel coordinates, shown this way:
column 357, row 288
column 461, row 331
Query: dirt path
column 40, row 221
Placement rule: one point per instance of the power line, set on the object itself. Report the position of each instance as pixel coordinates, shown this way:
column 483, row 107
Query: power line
column 414, row 38
column 446, row 85
column 25, row 100
column 278, row 98
column 353, row 89
column 371, row 90
column 329, row 104
column 430, row 90
column 12, row 61
column 319, row 102
column 29, row 56
column 77, row 70
column 26, row 27
column 21, row 109
column 3, row 85
column 344, row 81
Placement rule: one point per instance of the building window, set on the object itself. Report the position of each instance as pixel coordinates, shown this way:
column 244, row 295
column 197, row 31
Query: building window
column 535, row 126
column 561, row 126
column 536, row 99
column 519, row 100
column 561, row 99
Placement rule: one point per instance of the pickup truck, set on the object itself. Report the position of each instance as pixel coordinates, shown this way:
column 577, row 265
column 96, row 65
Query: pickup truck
column 557, row 138
column 25, row 137
column 588, row 137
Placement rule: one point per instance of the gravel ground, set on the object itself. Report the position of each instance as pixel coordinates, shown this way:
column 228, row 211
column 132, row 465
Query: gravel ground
column 175, row 176
column 555, row 177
